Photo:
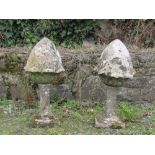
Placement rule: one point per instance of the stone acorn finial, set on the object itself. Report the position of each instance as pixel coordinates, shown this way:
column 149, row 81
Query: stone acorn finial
column 45, row 64
column 114, row 67
column 45, row 67
column 115, row 61
column 44, row 58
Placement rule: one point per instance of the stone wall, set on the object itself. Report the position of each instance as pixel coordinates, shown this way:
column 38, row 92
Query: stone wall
column 82, row 81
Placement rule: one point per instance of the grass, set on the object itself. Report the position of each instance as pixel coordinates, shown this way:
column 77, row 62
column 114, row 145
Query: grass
column 71, row 119
column 4, row 102
column 129, row 112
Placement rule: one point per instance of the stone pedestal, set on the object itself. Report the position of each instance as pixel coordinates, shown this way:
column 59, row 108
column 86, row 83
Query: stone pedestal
column 45, row 66
column 110, row 119
column 115, row 66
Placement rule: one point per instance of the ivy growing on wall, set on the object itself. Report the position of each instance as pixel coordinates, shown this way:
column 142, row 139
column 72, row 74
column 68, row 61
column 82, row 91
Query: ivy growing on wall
column 72, row 32
column 68, row 33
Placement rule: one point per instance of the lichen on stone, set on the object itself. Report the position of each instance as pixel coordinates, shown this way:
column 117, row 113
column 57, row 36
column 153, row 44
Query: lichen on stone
column 115, row 61
column 44, row 57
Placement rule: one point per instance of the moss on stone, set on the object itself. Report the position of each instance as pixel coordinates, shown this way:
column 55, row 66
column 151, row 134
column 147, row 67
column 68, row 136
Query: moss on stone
column 111, row 81
column 47, row 78
column 12, row 63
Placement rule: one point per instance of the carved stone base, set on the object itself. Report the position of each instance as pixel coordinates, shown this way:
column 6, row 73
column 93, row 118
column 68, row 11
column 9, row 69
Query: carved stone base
column 111, row 122
column 44, row 122
column 38, row 121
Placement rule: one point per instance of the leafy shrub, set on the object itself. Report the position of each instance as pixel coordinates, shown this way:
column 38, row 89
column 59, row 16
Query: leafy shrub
column 68, row 33
column 129, row 112
column 72, row 32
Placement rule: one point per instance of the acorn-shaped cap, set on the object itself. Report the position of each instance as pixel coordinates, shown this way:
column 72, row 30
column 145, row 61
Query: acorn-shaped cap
column 115, row 61
column 44, row 58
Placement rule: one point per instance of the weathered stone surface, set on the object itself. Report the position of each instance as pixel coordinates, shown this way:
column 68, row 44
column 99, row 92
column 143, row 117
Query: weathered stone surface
column 61, row 91
column 45, row 66
column 139, row 89
column 144, row 71
column 3, row 88
column 114, row 66
column 1, row 78
column 111, row 122
column 15, row 92
column 10, row 79
column 83, row 71
column 18, row 87
column 136, row 82
column 36, row 121
column 44, row 57
column 12, row 83
column 130, row 95
column 144, row 59
column 2, row 64
column 112, row 81
column 48, row 78
column 45, row 109
column 115, row 61
column 12, row 60
column 93, row 90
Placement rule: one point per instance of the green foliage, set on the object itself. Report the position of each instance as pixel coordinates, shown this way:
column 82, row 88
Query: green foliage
column 77, row 115
column 54, row 101
column 24, row 119
column 4, row 102
column 68, row 33
column 70, row 104
column 129, row 112
column 72, row 32
column 98, row 107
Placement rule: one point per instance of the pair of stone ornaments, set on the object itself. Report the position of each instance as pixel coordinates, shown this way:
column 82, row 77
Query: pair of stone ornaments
column 45, row 67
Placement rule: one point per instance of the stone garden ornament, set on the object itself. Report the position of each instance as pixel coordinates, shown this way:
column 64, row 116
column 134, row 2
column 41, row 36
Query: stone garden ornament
column 114, row 67
column 45, row 67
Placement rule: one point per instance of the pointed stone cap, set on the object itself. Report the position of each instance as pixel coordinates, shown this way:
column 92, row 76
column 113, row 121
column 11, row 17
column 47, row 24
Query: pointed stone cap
column 115, row 61
column 44, row 57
